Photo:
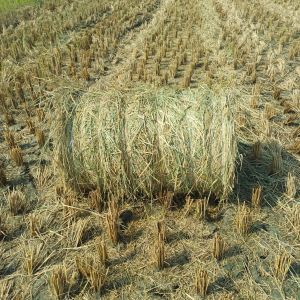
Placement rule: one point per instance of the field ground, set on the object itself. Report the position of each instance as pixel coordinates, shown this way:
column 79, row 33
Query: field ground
column 53, row 239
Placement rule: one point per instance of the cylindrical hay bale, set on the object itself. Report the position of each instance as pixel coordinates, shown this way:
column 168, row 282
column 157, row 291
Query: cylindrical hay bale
column 142, row 140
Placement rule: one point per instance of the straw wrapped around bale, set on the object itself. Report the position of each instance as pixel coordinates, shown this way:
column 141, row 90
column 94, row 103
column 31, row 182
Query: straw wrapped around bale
column 141, row 140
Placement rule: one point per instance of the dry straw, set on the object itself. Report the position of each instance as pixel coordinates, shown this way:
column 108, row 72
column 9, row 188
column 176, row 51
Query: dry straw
column 243, row 219
column 282, row 264
column 112, row 219
column 201, row 282
column 94, row 273
column 101, row 250
column 201, row 208
column 58, row 282
column 3, row 178
column 17, row 156
column 291, row 186
column 142, row 140
column 17, row 202
column 256, row 197
column 218, row 246
column 160, row 246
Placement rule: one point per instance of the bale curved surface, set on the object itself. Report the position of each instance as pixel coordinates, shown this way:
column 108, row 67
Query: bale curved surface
column 142, row 140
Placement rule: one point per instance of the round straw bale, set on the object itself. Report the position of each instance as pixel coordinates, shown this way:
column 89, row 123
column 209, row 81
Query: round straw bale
column 141, row 140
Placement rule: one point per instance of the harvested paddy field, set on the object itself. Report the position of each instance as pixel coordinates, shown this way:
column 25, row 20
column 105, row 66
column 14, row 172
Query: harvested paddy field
column 150, row 149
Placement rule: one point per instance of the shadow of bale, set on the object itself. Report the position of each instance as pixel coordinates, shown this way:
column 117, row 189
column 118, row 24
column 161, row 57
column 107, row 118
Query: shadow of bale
column 252, row 172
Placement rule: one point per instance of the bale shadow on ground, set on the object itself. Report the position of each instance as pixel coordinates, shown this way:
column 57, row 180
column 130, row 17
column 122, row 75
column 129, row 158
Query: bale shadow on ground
column 252, row 172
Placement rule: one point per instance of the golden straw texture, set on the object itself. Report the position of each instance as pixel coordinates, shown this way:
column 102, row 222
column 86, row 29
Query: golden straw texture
column 142, row 140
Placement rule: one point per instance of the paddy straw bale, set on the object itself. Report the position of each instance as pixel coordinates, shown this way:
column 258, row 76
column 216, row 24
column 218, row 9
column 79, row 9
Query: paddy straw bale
column 141, row 140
